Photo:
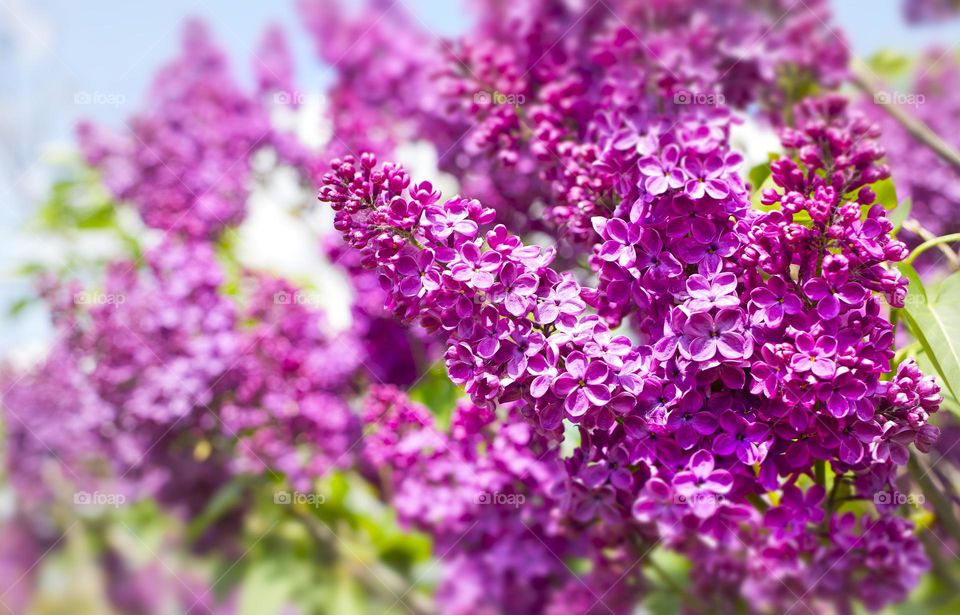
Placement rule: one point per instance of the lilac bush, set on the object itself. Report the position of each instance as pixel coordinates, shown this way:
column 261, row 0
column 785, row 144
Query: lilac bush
column 648, row 348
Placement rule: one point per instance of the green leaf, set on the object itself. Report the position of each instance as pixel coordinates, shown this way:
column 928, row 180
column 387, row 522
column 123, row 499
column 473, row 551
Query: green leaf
column 760, row 179
column 759, row 174
column 219, row 504
column 267, row 587
column 899, row 215
column 934, row 319
column 436, row 392
column 886, row 193
column 889, row 64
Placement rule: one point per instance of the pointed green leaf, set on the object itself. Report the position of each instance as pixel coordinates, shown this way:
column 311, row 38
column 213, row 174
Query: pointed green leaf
column 934, row 318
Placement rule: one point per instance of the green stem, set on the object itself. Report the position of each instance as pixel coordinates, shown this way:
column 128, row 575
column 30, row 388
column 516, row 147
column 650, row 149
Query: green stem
column 931, row 243
column 941, row 506
column 917, row 129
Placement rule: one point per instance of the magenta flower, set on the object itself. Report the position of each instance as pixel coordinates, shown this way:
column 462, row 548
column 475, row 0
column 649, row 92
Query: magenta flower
column 516, row 289
column 775, row 301
column 750, row 441
column 564, row 299
column 475, row 267
column 715, row 292
column 582, row 384
column 657, row 398
column 619, row 240
column 795, row 511
column 854, row 437
column 842, row 393
column 660, row 175
column 706, row 177
column 418, row 274
column 446, row 221
column 707, row 246
column 815, row 356
column 701, row 486
column 653, row 259
column 829, row 298
column 704, row 337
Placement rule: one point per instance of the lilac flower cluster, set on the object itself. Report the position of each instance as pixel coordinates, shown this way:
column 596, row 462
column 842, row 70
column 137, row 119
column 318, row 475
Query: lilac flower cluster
column 289, row 404
column 762, row 339
column 172, row 365
column 491, row 511
column 924, row 11
column 185, row 162
column 531, row 103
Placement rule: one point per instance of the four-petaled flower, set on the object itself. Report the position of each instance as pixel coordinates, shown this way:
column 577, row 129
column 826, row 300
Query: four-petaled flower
column 705, row 336
column 701, row 486
column 582, row 384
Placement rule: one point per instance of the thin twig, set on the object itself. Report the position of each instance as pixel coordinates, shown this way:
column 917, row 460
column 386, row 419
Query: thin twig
column 917, row 128
column 930, row 240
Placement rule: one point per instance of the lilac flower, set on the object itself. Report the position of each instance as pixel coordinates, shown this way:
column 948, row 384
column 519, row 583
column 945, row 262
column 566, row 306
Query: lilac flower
column 750, row 441
column 652, row 258
column 564, row 299
column 582, row 384
column 707, row 246
column 658, row 399
column 816, row 356
column 475, row 268
column 705, row 177
column 660, row 175
column 775, row 301
column 795, row 511
column 447, row 221
column 701, row 486
column 830, row 298
column 418, row 274
column 704, row 337
column 515, row 289
column 709, row 293
column 842, row 393
column 620, row 238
